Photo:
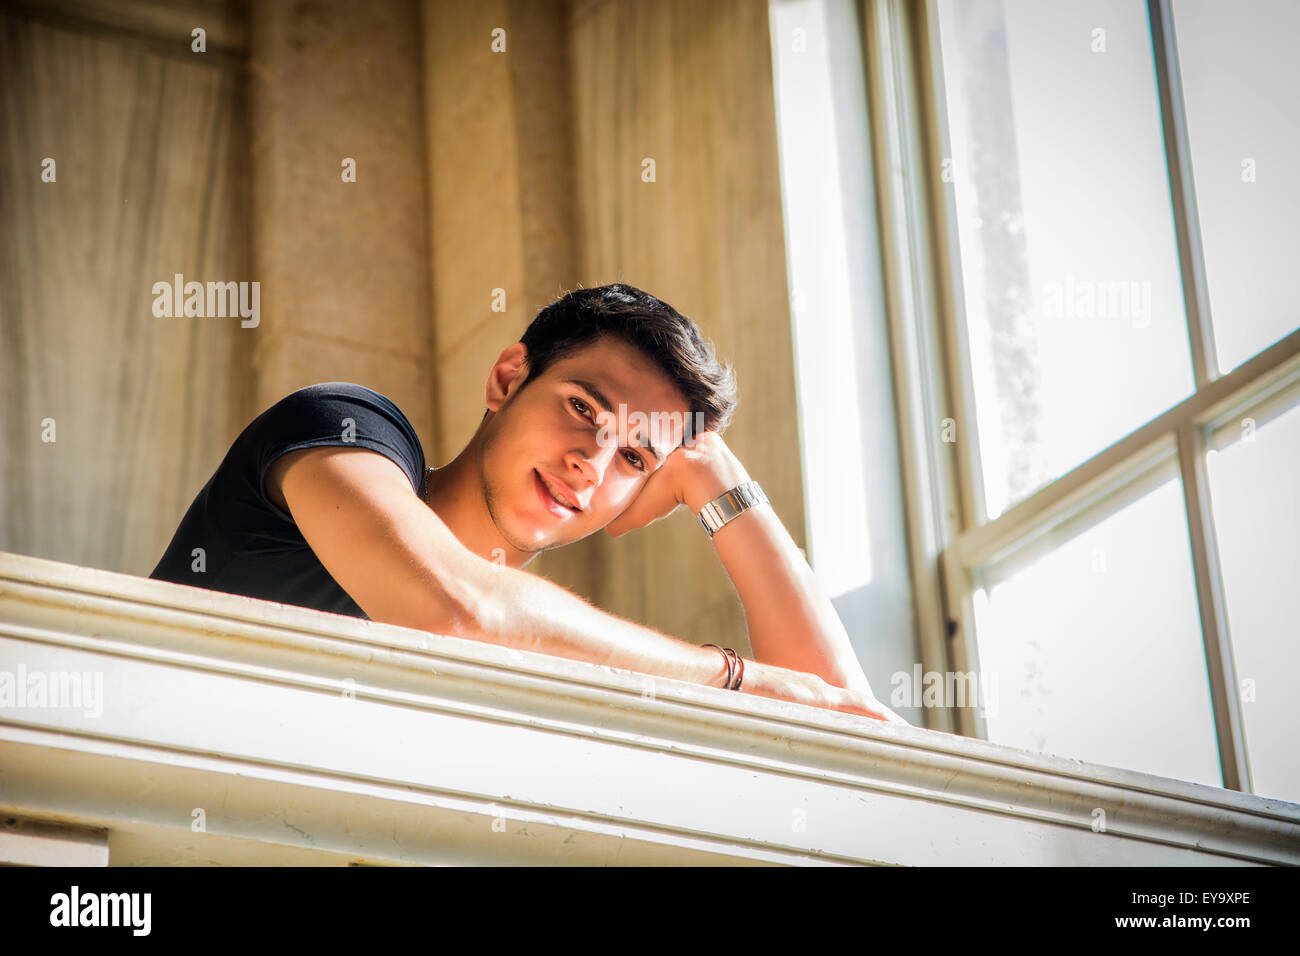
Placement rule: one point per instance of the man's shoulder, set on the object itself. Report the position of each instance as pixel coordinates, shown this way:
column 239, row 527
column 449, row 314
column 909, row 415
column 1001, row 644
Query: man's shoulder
column 331, row 395
column 336, row 390
column 330, row 414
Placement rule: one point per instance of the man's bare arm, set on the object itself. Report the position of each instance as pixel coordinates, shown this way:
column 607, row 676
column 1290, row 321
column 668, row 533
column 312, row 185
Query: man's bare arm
column 403, row 566
column 790, row 619
column 792, row 623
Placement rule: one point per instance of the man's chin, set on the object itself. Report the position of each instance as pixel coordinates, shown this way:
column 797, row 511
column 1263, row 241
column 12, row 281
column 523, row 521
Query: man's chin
column 561, row 539
column 535, row 538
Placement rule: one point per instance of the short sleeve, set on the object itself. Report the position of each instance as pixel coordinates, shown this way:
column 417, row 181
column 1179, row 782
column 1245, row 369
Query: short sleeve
column 333, row 414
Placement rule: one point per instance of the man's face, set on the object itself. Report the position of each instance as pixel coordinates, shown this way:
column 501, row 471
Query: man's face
column 553, row 436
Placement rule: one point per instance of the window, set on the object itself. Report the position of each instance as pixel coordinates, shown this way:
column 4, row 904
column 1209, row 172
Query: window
column 1069, row 261
column 1118, row 350
column 1240, row 76
column 1253, row 468
column 1096, row 637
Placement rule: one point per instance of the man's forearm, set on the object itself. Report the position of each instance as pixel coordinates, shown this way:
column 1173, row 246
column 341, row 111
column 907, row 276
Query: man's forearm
column 791, row 621
column 516, row 609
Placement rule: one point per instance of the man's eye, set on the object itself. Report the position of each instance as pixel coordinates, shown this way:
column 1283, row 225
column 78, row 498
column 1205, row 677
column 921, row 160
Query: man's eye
column 582, row 408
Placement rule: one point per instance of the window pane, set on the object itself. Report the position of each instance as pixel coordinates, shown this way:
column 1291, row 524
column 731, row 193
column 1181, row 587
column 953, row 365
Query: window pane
column 1096, row 648
column 1069, row 265
column 1240, row 75
column 1253, row 486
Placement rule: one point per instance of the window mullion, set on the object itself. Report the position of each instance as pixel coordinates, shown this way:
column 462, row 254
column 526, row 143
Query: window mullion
column 1191, row 438
column 1210, row 600
column 1182, row 190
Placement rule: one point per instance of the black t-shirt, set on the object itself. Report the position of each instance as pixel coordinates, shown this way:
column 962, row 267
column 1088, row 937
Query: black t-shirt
column 252, row 546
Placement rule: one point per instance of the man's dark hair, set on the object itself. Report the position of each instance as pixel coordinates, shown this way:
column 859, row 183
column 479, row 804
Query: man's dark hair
column 671, row 340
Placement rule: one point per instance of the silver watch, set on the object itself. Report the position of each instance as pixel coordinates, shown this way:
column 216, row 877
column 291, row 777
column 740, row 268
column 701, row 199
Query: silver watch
column 729, row 504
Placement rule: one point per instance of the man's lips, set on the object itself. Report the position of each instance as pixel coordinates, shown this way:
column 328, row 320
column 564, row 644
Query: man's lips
column 548, row 499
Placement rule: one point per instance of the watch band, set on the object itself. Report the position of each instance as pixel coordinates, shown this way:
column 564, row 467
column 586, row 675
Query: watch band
column 729, row 504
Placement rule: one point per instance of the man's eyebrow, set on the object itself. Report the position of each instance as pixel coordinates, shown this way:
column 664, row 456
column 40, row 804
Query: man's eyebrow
column 608, row 406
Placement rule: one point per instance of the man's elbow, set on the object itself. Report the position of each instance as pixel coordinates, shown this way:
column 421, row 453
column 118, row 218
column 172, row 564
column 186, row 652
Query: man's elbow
column 453, row 614
column 449, row 607
column 460, row 607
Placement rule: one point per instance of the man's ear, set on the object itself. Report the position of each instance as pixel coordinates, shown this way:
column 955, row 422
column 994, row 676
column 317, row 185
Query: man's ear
column 509, row 372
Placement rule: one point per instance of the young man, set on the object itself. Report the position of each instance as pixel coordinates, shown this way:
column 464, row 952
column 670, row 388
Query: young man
column 607, row 414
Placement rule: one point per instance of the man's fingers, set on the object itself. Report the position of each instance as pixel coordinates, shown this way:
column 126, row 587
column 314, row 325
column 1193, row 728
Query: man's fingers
column 636, row 515
column 895, row 719
column 853, row 702
column 618, row 526
column 654, row 501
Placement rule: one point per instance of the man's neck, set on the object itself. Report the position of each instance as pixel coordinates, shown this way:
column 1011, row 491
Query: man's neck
column 455, row 493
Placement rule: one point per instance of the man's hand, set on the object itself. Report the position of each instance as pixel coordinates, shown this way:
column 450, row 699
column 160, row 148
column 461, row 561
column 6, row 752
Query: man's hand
column 693, row 475
column 767, row 680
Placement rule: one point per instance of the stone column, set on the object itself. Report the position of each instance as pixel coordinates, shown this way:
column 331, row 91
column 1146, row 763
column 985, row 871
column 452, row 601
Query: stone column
column 339, row 211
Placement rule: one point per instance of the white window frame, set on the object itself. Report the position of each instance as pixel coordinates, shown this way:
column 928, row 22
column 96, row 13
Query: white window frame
column 931, row 358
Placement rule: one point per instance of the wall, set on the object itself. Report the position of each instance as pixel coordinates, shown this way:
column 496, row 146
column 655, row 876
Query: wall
column 344, row 265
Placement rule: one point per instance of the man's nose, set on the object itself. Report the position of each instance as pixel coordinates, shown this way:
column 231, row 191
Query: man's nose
column 592, row 460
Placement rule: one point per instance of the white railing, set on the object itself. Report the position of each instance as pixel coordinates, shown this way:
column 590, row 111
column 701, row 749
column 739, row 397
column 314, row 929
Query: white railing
column 185, row 726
